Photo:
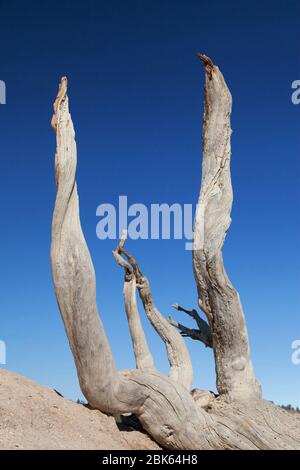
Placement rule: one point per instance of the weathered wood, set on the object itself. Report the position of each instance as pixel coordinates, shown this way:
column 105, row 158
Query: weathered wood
column 173, row 416
column 181, row 369
column 216, row 295
column 164, row 407
column 203, row 333
column 143, row 357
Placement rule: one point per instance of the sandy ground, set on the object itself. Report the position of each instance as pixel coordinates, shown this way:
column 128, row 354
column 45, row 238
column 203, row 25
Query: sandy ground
column 35, row 417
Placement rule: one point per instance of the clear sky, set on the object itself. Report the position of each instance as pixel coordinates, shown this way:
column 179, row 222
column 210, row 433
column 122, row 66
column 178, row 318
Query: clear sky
column 136, row 97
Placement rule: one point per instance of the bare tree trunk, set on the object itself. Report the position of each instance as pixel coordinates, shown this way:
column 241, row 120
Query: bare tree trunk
column 216, row 295
column 174, row 417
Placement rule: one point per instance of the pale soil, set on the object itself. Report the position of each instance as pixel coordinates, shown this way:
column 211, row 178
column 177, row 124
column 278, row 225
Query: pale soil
column 35, row 417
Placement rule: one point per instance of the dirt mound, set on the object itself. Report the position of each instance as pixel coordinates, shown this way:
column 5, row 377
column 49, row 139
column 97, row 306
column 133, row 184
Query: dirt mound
column 35, row 417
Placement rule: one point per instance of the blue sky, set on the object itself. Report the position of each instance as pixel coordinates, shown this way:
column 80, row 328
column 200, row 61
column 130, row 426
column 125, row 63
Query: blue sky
column 136, row 97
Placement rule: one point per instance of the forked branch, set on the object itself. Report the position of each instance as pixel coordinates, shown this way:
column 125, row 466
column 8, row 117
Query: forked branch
column 203, row 333
column 181, row 369
column 143, row 357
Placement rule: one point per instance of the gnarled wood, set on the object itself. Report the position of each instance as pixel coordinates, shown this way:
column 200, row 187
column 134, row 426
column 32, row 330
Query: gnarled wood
column 165, row 408
column 174, row 417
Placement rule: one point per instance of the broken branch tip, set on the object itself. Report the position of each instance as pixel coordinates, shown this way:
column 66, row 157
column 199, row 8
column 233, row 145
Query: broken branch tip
column 207, row 62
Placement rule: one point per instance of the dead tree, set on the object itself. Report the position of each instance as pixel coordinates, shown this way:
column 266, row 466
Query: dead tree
column 169, row 411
